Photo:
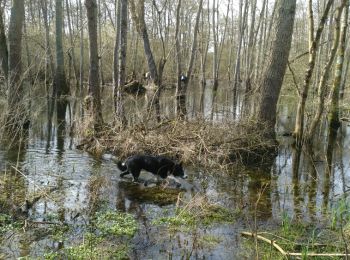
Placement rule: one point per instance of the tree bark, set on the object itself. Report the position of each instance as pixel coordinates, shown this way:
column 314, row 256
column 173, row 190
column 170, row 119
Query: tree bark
column 178, row 57
column 272, row 79
column 299, row 122
column 17, row 117
column 3, row 47
column 138, row 16
column 181, row 96
column 122, row 58
column 325, row 75
column 333, row 114
column 60, row 85
column 116, row 90
column 94, row 84
column 49, row 56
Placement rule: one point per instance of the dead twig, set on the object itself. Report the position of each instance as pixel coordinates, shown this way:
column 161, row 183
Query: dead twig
column 286, row 254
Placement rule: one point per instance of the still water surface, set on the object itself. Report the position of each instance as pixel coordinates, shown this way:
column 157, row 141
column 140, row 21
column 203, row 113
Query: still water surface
column 51, row 161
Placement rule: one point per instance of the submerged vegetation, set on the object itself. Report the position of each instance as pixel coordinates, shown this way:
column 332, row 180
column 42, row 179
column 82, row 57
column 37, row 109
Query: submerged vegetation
column 197, row 212
column 201, row 82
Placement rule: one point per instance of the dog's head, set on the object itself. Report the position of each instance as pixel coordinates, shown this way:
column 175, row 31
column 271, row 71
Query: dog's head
column 179, row 171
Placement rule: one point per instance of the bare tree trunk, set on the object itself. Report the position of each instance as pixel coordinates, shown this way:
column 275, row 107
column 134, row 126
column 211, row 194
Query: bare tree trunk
column 100, row 42
column 181, row 97
column 60, row 85
column 272, row 79
column 49, row 56
column 138, row 16
column 263, row 18
column 75, row 68
column 251, row 42
column 178, row 57
column 122, row 59
column 215, row 45
column 81, row 60
column 333, row 114
column 204, row 46
column 17, row 117
column 299, row 122
column 94, row 84
column 3, row 46
column 116, row 91
column 325, row 74
column 345, row 73
column 237, row 77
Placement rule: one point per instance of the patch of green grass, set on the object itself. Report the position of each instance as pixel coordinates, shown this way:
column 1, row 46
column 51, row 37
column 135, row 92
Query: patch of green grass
column 7, row 223
column 198, row 212
column 209, row 241
column 116, row 223
column 108, row 236
column 59, row 233
column 93, row 247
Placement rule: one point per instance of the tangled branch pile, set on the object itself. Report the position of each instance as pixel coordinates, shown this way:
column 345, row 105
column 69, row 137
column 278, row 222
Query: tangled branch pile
column 196, row 142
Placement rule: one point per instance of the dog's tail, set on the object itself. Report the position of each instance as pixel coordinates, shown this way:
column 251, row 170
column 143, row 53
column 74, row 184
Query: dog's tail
column 121, row 166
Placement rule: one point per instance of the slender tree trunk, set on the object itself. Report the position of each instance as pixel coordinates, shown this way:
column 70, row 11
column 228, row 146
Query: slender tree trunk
column 3, row 46
column 250, row 48
column 122, row 58
column 17, row 117
column 345, row 73
column 299, row 122
column 75, row 67
column 215, row 45
column 94, row 83
column 263, row 18
column 237, row 77
column 178, row 58
column 116, row 90
column 272, row 79
column 182, row 93
column 138, row 16
column 81, row 60
column 205, row 46
column 49, row 56
column 100, row 42
column 324, row 78
column 60, row 85
column 333, row 114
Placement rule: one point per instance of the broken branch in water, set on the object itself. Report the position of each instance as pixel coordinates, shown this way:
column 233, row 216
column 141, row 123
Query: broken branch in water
column 284, row 253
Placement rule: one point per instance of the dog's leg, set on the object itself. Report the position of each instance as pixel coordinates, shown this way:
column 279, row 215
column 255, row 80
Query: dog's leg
column 124, row 173
column 135, row 175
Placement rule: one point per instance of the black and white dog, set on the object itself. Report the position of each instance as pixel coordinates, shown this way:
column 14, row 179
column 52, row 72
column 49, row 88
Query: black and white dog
column 158, row 165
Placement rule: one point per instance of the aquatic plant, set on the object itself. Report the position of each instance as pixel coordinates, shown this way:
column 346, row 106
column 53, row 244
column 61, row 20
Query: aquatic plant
column 199, row 211
column 116, row 223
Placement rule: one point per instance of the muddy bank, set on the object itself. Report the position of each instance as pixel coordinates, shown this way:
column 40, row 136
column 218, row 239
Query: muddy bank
column 197, row 143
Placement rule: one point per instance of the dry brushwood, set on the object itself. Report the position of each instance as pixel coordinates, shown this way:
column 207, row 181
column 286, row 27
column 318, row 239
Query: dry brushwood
column 214, row 146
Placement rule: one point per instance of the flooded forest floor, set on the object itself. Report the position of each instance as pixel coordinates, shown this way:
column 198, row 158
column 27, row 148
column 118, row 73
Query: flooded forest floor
column 58, row 201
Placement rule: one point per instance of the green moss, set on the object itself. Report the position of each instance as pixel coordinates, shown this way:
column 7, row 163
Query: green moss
column 116, row 223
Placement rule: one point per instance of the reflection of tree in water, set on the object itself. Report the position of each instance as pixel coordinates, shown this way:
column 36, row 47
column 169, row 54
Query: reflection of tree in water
column 328, row 171
column 61, row 106
column 259, row 190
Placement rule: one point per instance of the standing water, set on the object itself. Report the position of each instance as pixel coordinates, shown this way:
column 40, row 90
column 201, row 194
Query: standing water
column 58, row 189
